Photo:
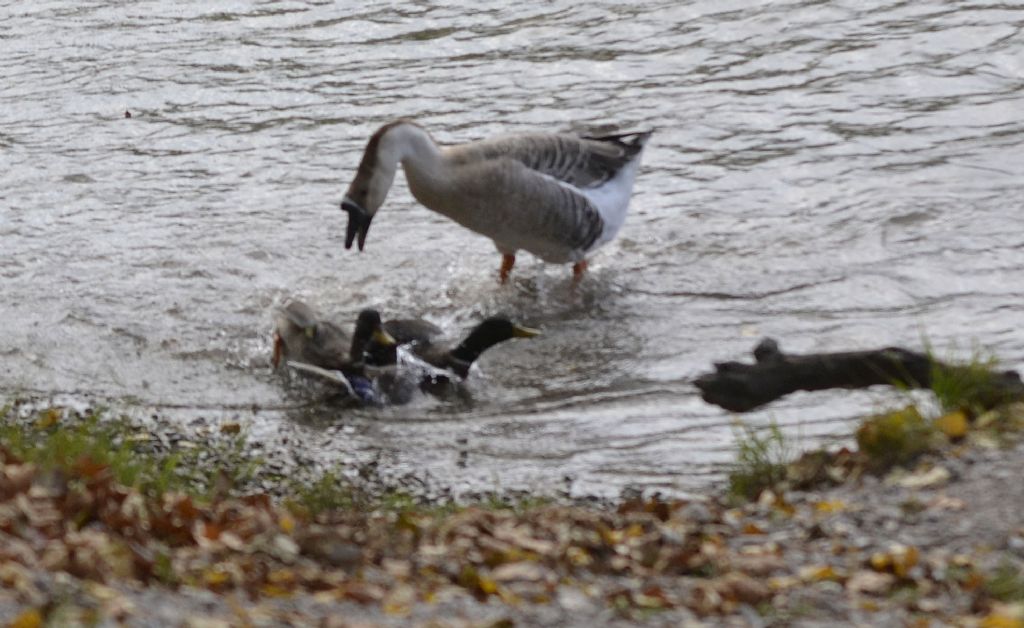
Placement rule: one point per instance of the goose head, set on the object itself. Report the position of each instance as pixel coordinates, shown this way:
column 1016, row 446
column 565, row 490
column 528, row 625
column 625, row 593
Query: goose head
column 388, row 146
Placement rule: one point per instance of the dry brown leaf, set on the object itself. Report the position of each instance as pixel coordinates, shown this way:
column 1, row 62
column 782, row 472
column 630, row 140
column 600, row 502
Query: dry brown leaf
column 999, row 619
column 870, row 582
column 705, row 599
column 16, row 478
column 818, row 573
column 830, row 506
column 216, row 578
column 752, row 529
column 31, row 618
column 924, row 479
column 530, row 572
column 362, row 592
column 742, row 588
column 757, row 564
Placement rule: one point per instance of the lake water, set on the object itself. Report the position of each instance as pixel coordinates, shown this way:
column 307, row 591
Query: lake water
column 836, row 175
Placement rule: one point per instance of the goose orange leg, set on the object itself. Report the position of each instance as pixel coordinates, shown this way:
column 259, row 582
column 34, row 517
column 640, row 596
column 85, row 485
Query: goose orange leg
column 578, row 269
column 507, row 262
column 278, row 350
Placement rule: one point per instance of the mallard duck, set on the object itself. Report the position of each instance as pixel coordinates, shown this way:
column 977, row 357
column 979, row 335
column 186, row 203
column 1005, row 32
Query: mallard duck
column 406, row 331
column 557, row 196
column 320, row 347
column 300, row 336
column 421, row 334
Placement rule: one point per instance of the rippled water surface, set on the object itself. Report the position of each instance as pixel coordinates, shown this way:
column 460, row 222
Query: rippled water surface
column 836, row 175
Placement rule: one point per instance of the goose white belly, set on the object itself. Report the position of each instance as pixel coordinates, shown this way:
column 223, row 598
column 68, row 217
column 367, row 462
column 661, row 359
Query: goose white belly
column 611, row 200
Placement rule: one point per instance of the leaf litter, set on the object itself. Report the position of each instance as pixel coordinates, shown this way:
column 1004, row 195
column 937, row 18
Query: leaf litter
column 79, row 544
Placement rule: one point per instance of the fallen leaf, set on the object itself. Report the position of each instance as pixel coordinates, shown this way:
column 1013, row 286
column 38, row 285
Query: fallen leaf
column 752, row 528
column 31, row 618
column 830, row 506
column 758, row 564
column 205, row 622
column 996, row 619
column 742, row 588
column 519, row 571
column 988, row 419
column 399, row 601
column 904, row 558
column 880, row 561
column 215, row 578
column 286, row 548
column 954, row 425
column 817, row 573
column 943, row 502
column 871, row 582
column 652, row 597
column 899, row 560
column 932, row 477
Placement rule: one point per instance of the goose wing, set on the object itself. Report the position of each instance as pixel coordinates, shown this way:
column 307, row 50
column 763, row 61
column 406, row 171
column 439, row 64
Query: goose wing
column 583, row 162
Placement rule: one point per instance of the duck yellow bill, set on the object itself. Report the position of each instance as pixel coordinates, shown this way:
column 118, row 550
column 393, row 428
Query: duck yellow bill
column 381, row 337
column 358, row 223
column 519, row 331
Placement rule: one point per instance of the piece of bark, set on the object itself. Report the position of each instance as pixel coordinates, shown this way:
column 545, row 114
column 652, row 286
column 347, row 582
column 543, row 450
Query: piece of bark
column 741, row 387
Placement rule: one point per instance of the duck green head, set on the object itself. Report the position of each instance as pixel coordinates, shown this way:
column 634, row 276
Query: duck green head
column 369, row 328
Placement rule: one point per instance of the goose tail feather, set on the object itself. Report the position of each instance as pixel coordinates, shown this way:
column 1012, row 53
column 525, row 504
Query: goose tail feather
column 633, row 139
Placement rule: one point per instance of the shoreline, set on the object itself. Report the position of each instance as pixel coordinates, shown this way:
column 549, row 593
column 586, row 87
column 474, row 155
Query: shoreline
column 940, row 541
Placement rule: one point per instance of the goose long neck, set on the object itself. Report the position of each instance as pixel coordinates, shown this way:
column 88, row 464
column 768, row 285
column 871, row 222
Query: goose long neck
column 411, row 146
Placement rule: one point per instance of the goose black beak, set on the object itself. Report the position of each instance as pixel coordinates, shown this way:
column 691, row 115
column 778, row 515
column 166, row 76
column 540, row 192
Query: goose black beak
column 358, row 223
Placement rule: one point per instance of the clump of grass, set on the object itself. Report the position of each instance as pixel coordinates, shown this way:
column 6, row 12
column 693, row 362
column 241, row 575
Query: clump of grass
column 216, row 466
column 331, row 491
column 895, row 437
column 51, row 441
column 1006, row 584
column 973, row 387
column 761, row 460
column 56, row 439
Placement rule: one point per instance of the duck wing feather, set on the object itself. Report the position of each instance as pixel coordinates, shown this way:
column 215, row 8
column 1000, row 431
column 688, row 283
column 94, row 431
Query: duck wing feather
column 406, row 330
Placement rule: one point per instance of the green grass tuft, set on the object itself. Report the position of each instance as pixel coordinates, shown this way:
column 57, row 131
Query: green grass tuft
column 55, row 439
column 972, row 387
column 331, row 491
column 1006, row 584
column 761, row 460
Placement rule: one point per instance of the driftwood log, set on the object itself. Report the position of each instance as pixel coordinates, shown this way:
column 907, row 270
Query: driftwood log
column 741, row 387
